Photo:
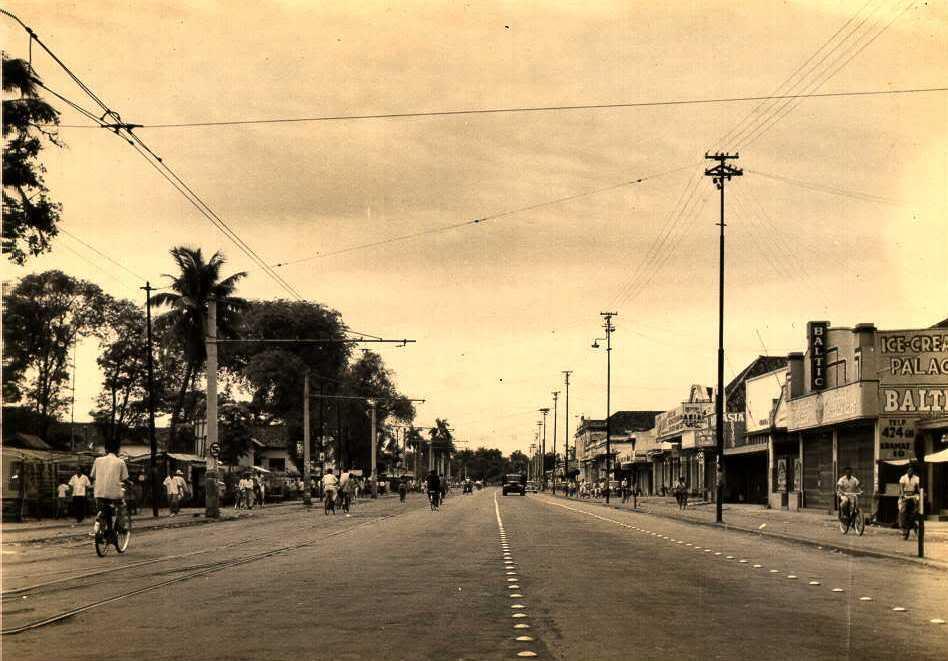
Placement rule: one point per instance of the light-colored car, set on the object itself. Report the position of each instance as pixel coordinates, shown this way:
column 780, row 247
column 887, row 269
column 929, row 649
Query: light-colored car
column 533, row 487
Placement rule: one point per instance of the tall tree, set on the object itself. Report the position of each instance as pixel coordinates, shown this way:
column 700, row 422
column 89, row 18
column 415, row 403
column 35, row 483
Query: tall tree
column 29, row 215
column 441, row 438
column 237, row 419
column 45, row 314
column 121, row 406
column 196, row 283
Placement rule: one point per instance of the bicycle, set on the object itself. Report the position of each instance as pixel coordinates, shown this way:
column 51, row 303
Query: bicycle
column 329, row 503
column 344, row 501
column 118, row 529
column 908, row 516
column 434, row 500
column 853, row 518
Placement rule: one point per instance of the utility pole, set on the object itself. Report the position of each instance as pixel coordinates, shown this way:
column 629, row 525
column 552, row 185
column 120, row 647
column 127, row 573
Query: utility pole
column 322, row 438
column 211, row 509
column 151, row 404
column 307, row 478
column 720, row 174
column 609, row 328
column 375, row 477
column 566, row 373
column 556, row 395
column 544, row 411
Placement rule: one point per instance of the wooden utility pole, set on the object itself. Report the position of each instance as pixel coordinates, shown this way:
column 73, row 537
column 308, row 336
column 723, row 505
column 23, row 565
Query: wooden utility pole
column 153, row 442
column 211, row 505
column 375, row 477
column 566, row 373
column 307, row 478
column 556, row 395
column 720, row 173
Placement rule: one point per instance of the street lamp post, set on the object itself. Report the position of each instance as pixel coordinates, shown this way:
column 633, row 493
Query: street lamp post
column 556, row 395
column 566, row 373
column 609, row 328
column 545, row 410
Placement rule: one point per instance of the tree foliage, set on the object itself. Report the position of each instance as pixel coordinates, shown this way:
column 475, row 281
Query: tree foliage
column 236, row 430
column 44, row 315
column 121, row 406
column 29, row 215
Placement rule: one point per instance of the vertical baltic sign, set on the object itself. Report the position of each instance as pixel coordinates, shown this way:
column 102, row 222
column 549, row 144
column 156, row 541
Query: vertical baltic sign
column 816, row 344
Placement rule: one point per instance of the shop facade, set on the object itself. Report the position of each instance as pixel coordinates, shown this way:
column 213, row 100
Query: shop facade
column 683, row 445
column 872, row 401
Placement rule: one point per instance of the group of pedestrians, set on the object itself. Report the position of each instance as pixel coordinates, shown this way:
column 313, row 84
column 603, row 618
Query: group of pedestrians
column 251, row 491
column 73, row 496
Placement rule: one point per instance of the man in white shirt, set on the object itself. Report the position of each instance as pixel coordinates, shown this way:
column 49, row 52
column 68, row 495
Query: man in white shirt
column 173, row 486
column 79, row 483
column 108, row 472
column 909, row 490
column 330, row 484
column 847, row 484
column 62, row 499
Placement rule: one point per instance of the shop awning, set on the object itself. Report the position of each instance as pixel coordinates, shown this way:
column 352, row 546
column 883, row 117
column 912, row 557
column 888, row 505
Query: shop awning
column 937, row 457
column 187, row 458
column 262, row 470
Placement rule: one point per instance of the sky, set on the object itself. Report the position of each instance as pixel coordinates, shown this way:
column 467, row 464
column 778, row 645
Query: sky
column 840, row 213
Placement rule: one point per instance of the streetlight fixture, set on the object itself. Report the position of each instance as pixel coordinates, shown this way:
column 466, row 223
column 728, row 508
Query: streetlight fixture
column 609, row 328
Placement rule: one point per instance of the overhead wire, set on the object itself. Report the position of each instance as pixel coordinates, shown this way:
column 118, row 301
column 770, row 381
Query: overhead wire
column 526, row 109
column 831, row 190
column 791, row 105
column 100, row 253
column 482, row 219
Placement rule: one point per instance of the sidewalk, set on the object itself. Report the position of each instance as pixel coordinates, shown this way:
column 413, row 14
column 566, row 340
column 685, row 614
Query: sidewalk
column 812, row 528
column 56, row 530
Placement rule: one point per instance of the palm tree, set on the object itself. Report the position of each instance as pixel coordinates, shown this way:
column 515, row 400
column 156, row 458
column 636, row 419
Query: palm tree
column 441, row 438
column 197, row 283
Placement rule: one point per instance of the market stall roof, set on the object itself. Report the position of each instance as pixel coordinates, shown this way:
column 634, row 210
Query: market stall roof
column 24, row 454
column 262, row 470
column 937, row 457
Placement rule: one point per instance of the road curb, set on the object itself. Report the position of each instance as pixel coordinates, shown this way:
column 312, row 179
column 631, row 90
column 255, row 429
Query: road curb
column 856, row 552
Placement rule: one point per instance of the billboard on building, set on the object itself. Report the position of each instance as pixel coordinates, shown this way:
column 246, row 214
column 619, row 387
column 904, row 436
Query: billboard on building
column 913, row 372
column 816, row 348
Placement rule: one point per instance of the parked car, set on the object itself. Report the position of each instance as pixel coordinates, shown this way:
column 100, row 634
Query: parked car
column 533, row 487
column 513, row 483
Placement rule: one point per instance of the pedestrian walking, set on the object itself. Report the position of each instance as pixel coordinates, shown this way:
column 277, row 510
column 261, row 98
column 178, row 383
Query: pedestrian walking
column 79, row 484
column 626, row 490
column 681, row 493
column 174, row 488
column 261, row 490
column 62, row 499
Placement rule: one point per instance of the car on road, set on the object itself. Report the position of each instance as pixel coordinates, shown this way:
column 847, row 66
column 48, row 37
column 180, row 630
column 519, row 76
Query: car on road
column 532, row 487
column 513, row 483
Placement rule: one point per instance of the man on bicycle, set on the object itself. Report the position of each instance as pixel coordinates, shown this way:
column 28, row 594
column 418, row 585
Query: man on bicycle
column 433, row 487
column 109, row 473
column 330, row 485
column 846, row 486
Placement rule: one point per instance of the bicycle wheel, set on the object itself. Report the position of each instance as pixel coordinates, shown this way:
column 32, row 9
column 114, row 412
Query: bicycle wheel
column 859, row 523
column 123, row 532
column 101, row 544
column 844, row 524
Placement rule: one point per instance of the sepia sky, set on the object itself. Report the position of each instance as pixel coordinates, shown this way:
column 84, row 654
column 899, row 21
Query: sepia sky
column 840, row 215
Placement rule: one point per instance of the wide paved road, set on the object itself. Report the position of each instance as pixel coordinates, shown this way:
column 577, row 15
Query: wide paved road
column 487, row 577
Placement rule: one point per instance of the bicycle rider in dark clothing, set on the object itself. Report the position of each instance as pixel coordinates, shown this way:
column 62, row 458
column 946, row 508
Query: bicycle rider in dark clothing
column 433, row 487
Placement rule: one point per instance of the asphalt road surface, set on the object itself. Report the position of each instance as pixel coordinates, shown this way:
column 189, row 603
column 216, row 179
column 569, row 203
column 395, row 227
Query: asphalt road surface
column 486, row 577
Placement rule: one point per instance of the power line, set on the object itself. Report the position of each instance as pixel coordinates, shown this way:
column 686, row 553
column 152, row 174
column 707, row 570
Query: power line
column 124, row 130
column 482, row 219
column 832, row 190
column 100, row 253
column 494, row 111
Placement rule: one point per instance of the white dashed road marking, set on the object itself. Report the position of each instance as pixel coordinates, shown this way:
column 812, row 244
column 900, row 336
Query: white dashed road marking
column 512, row 584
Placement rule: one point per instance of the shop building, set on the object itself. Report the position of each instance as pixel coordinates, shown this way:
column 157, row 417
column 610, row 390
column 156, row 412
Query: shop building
column 746, row 455
column 629, row 429
column 681, row 449
column 590, row 435
column 870, row 400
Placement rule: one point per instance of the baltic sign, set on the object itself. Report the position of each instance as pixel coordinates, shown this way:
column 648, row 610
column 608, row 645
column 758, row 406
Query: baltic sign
column 913, row 375
column 816, row 345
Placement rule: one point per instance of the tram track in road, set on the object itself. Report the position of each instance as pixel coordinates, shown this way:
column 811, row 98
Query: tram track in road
column 198, row 571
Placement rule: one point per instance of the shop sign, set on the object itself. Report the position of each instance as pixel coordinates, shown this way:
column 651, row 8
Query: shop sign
column 782, row 475
column 797, row 474
column 914, row 401
column 916, row 358
column 816, row 347
column 857, row 400
column 897, row 438
column 689, row 415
